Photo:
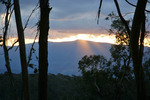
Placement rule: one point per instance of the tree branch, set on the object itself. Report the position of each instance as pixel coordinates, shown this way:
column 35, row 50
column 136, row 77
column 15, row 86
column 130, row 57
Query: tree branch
column 30, row 55
column 135, row 5
column 121, row 17
column 36, row 7
column 99, row 11
column 13, row 45
column 26, row 24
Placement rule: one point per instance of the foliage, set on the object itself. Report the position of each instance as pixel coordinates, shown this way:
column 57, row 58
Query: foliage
column 120, row 54
column 93, row 64
column 116, row 72
column 63, row 87
column 121, row 61
column 3, row 1
column 104, row 78
column 95, row 73
column 118, row 28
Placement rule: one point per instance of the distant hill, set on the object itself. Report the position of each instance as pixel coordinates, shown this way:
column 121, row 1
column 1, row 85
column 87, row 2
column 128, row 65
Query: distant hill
column 63, row 56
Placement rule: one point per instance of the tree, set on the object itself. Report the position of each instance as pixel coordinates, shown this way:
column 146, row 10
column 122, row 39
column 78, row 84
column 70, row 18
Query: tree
column 43, row 48
column 22, row 49
column 137, row 35
column 136, row 47
column 96, row 74
column 4, row 39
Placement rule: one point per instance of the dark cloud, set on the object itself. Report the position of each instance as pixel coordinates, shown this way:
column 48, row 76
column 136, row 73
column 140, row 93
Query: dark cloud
column 75, row 14
column 64, row 8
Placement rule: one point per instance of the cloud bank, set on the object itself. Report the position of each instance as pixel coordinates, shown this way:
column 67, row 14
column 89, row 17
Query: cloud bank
column 73, row 16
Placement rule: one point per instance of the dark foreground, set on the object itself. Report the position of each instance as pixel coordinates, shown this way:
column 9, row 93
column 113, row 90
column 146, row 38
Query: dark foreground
column 62, row 87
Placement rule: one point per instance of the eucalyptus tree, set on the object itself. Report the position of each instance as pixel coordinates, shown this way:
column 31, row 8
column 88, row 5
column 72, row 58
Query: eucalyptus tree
column 136, row 42
column 43, row 48
column 96, row 74
column 120, row 54
column 3, row 39
column 22, row 49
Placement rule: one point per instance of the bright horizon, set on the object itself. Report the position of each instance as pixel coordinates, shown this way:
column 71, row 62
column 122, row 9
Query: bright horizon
column 102, row 38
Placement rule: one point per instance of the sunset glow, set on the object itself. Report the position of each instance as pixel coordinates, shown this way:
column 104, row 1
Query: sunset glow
column 88, row 37
column 3, row 17
column 103, row 38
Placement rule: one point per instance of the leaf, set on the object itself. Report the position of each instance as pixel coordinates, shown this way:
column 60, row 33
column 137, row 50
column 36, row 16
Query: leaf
column 31, row 65
column 35, row 70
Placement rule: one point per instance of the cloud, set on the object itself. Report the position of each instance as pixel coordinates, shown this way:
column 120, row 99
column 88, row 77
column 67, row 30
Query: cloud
column 81, row 14
column 74, row 16
column 64, row 8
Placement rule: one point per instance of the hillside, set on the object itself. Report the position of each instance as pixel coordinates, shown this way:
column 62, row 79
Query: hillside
column 63, row 56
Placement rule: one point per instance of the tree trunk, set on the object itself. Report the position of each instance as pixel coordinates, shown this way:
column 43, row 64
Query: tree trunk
column 22, row 49
column 43, row 49
column 6, row 54
column 135, row 49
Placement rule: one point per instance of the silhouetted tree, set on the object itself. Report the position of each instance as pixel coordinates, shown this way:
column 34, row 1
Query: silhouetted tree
column 43, row 48
column 4, row 39
column 137, row 46
column 137, row 35
column 22, row 49
column 120, row 55
column 95, row 72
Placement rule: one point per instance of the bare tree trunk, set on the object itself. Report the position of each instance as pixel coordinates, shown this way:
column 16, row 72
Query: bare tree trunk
column 22, row 49
column 6, row 54
column 136, row 52
column 43, row 49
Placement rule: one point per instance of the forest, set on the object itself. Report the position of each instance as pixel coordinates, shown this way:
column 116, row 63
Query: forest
column 125, row 76
column 63, row 87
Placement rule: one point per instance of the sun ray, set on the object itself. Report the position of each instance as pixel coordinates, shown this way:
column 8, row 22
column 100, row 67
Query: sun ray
column 83, row 47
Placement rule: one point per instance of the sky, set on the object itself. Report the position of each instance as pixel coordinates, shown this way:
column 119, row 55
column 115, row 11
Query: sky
column 69, row 17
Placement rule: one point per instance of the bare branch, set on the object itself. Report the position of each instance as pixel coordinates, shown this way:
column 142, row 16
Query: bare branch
column 6, row 53
column 25, row 25
column 121, row 17
column 135, row 5
column 99, row 11
column 127, row 14
column 30, row 55
column 37, row 6
column 13, row 45
column 130, row 3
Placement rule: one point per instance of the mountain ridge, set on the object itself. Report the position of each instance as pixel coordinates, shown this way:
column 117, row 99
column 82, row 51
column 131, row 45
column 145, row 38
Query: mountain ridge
column 63, row 57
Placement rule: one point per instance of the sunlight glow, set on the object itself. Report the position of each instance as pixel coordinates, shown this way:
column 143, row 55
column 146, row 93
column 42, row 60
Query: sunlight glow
column 3, row 17
column 88, row 37
column 103, row 38
column 84, row 47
